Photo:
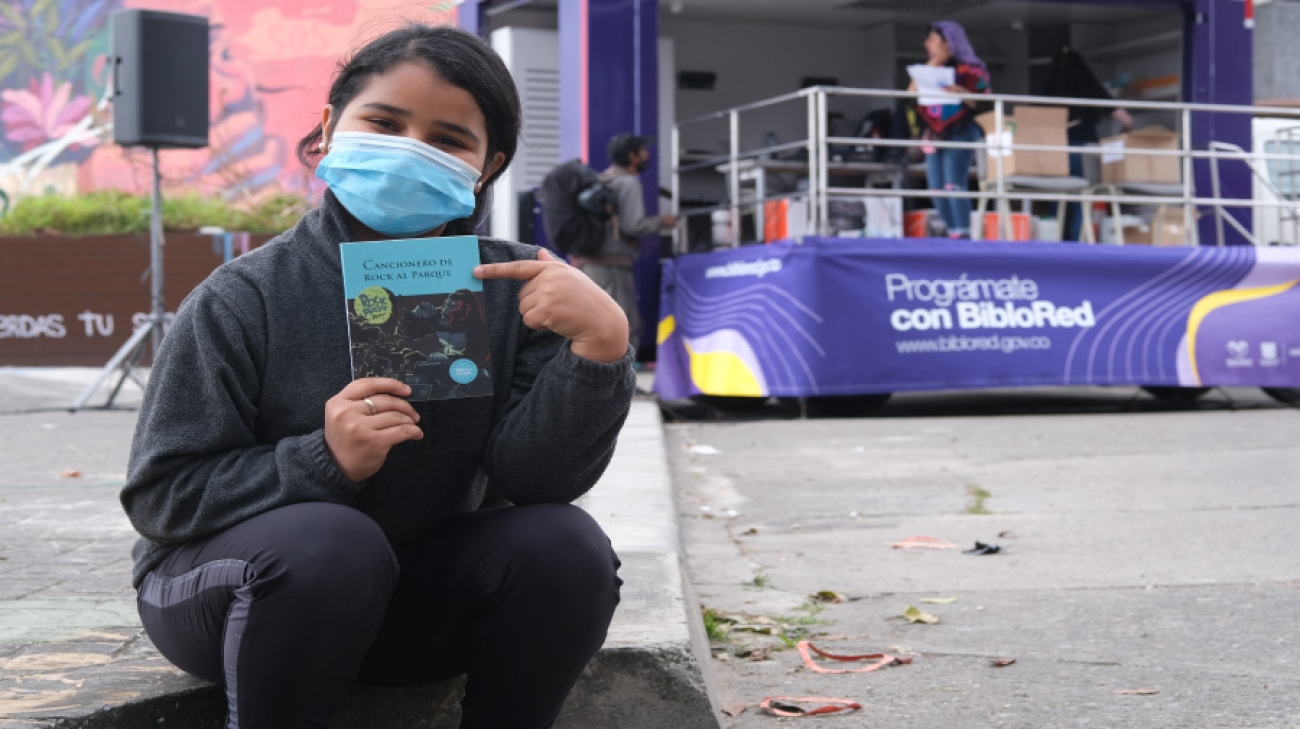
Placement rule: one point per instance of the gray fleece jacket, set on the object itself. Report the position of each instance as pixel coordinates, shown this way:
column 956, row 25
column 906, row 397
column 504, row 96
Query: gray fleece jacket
column 233, row 418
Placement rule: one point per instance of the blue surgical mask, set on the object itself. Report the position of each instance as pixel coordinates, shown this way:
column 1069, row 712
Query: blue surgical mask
column 395, row 185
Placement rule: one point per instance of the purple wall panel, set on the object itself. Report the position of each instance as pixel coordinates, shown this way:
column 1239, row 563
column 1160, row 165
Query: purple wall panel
column 1218, row 69
column 572, row 20
column 470, row 16
column 616, row 82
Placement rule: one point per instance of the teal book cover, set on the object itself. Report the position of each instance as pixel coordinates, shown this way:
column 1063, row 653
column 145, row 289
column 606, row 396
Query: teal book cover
column 416, row 314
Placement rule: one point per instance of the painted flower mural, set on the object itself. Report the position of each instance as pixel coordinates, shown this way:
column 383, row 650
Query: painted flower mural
column 269, row 67
column 51, row 73
column 41, row 113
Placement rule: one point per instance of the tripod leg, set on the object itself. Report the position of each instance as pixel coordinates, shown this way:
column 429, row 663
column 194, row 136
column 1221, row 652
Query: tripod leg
column 128, row 367
column 128, row 350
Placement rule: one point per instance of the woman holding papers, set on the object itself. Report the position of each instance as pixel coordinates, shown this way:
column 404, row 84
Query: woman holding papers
column 952, row 68
column 303, row 530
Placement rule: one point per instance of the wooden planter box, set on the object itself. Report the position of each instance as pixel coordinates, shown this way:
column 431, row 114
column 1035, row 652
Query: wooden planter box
column 68, row 301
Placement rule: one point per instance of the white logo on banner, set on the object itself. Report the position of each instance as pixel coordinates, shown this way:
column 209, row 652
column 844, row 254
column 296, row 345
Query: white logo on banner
column 979, row 303
column 1239, row 353
column 757, row 269
column 1268, row 354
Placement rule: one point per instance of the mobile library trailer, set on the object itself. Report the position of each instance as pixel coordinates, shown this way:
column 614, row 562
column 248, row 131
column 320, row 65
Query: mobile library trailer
column 758, row 107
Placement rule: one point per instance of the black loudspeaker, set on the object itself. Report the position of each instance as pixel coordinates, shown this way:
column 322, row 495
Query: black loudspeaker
column 160, row 63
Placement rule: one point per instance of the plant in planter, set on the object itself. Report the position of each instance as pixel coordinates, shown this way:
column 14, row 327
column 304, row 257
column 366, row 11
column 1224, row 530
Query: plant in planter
column 111, row 212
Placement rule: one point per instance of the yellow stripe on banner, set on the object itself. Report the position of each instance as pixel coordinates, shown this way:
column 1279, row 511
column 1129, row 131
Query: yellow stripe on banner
column 667, row 326
column 1218, row 300
column 723, row 373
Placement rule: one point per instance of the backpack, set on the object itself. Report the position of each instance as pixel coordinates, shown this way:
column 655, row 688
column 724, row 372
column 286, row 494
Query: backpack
column 576, row 208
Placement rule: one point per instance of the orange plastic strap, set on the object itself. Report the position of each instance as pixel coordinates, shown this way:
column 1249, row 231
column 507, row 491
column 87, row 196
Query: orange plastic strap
column 882, row 660
column 829, row 705
column 924, row 542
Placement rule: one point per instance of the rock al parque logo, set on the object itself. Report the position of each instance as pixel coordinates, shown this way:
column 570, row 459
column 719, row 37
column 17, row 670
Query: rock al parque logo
column 1239, row 353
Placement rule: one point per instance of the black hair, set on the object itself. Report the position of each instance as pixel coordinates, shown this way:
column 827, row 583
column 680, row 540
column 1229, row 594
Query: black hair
column 1073, row 78
column 463, row 60
column 622, row 146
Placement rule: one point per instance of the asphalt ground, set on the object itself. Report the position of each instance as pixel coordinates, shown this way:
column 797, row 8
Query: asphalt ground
column 1149, row 572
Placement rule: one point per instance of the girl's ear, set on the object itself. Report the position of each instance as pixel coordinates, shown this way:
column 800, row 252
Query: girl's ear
column 326, row 124
column 490, row 169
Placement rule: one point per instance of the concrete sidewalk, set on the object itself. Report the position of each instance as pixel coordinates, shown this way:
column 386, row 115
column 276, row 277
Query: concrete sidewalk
column 73, row 654
column 1150, row 575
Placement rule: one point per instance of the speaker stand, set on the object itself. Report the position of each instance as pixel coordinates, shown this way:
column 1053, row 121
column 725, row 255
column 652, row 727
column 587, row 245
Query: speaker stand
column 128, row 357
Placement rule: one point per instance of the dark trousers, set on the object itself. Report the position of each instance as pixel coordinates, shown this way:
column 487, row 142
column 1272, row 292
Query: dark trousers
column 289, row 608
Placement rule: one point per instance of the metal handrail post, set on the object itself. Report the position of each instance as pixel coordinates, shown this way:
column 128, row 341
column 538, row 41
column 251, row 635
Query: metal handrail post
column 1288, row 213
column 1189, row 214
column 1215, row 188
column 823, row 162
column 813, row 218
column 735, row 179
column 679, row 239
column 1004, row 209
column 1220, row 212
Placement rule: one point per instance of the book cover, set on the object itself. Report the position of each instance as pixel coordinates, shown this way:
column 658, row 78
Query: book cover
column 416, row 314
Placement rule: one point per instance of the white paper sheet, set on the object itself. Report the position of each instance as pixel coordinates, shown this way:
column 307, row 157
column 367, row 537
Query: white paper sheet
column 1001, row 144
column 931, row 82
column 1114, row 151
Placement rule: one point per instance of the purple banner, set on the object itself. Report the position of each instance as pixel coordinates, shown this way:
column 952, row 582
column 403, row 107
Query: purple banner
column 854, row 316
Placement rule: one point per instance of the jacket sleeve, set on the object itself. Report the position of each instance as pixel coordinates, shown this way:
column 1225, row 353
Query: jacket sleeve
column 560, row 424
column 196, row 464
column 978, row 81
column 632, row 220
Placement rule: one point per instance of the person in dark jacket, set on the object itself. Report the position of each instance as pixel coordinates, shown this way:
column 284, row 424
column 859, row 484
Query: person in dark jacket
column 949, row 169
column 1073, row 78
column 301, row 530
column 611, row 268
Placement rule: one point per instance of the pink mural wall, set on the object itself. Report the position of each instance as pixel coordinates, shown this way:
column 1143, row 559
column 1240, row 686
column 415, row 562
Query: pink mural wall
column 270, row 66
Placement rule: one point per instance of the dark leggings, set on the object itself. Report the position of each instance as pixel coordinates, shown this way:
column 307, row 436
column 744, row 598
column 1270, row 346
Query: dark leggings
column 289, row 608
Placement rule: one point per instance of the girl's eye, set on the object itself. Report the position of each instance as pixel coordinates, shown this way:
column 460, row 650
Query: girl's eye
column 383, row 124
column 447, row 141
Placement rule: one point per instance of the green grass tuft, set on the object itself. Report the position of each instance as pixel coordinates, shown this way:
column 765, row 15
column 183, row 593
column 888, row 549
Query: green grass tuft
column 977, row 498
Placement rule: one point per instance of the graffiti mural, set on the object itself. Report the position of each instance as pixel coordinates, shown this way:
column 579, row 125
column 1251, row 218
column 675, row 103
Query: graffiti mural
column 270, row 68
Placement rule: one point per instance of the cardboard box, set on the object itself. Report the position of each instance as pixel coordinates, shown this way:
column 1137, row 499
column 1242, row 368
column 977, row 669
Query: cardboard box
column 1133, row 228
column 1119, row 164
column 1037, row 125
column 1167, row 228
column 1137, row 235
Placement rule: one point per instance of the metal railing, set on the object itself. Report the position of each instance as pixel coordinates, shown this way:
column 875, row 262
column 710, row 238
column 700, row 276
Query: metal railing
column 817, row 167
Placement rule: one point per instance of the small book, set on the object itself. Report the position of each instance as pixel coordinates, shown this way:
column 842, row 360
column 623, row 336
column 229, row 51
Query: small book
column 416, row 314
